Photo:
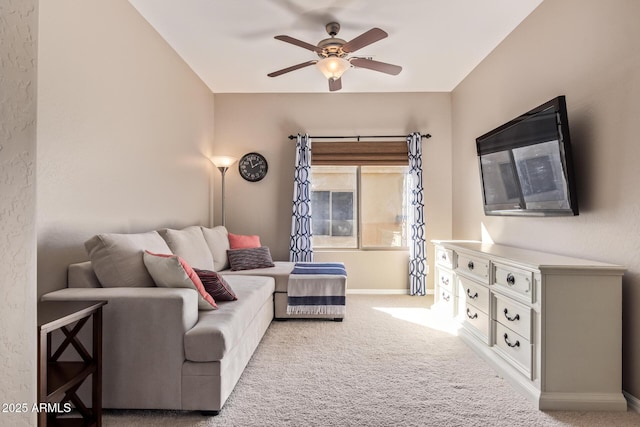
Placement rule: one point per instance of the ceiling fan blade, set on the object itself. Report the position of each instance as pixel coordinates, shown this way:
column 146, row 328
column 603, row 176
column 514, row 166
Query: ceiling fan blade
column 292, row 68
column 335, row 85
column 299, row 43
column 383, row 67
column 365, row 39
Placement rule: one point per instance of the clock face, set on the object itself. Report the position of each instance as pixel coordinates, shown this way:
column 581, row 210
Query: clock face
column 253, row 167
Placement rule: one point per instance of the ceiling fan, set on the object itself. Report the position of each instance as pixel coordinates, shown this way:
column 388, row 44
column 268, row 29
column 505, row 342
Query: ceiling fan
column 334, row 55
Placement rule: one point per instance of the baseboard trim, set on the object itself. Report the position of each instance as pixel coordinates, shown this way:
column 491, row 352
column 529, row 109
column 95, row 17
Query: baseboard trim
column 582, row 402
column 632, row 402
column 378, row 291
column 383, row 291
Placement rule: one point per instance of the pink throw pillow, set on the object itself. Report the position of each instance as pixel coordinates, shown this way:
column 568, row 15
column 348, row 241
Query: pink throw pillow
column 237, row 241
column 171, row 271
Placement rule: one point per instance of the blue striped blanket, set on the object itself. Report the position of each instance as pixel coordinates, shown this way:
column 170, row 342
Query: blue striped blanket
column 317, row 288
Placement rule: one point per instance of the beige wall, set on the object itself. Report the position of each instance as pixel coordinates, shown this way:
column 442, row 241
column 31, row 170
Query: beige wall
column 18, row 49
column 124, row 126
column 590, row 52
column 262, row 122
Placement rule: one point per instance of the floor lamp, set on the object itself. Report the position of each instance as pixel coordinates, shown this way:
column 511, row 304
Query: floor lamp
column 223, row 163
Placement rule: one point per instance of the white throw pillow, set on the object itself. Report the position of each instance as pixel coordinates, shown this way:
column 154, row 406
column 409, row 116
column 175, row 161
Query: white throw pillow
column 171, row 271
column 217, row 239
column 189, row 244
column 117, row 258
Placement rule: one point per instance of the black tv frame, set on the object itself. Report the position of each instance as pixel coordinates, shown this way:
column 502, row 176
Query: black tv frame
column 501, row 139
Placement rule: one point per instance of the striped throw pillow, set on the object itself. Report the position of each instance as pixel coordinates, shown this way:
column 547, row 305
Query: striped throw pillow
column 216, row 286
column 248, row 259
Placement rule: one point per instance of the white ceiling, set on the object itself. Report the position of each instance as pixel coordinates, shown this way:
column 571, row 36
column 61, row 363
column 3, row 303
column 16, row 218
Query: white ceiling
column 230, row 44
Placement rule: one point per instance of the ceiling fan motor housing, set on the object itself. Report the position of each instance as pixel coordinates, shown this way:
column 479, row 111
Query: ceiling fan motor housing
column 331, row 47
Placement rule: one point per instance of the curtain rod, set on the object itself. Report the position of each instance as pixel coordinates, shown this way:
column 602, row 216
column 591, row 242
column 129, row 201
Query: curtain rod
column 357, row 137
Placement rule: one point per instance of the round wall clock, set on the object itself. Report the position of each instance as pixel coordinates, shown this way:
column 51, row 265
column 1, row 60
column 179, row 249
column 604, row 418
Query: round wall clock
column 253, row 167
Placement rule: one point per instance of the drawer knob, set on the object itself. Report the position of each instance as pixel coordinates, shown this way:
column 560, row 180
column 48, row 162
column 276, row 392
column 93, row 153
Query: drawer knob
column 474, row 296
column 446, row 297
column 470, row 265
column 475, row 315
column 444, row 280
column 443, row 257
column 511, row 279
column 506, row 340
column 511, row 319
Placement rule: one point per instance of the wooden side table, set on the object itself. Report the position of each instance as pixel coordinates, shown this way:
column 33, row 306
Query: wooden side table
column 58, row 381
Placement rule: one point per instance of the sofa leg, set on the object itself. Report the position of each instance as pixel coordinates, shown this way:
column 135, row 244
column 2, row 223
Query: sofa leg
column 209, row 413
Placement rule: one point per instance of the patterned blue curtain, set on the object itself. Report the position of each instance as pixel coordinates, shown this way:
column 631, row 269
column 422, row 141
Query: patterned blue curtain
column 300, row 249
column 417, row 245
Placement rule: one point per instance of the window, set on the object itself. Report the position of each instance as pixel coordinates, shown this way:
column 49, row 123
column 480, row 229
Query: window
column 334, row 206
column 384, row 208
column 359, row 206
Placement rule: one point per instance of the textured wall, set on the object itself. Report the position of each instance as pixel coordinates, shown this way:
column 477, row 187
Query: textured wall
column 18, row 37
column 588, row 51
column 123, row 129
column 262, row 122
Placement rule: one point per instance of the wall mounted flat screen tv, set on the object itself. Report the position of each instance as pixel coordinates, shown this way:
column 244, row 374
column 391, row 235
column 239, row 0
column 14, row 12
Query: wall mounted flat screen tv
column 526, row 167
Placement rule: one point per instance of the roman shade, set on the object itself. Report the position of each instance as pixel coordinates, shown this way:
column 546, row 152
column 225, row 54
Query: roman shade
column 356, row 153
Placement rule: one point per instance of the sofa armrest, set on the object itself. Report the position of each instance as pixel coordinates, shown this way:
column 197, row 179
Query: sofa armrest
column 81, row 275
column 143, row 342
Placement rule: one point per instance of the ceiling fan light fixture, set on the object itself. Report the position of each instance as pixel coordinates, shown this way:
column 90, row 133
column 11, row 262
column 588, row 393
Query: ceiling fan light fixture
column 333, row 67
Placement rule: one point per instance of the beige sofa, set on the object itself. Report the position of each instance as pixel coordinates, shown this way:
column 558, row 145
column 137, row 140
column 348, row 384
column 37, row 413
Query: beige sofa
column 159, row 350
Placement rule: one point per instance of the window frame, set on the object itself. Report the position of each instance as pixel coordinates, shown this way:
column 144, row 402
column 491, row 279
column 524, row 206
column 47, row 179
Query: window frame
column 358, row 217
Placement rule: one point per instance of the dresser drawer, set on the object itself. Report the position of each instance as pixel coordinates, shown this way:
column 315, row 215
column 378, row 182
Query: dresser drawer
column 446, row 302
column 514, row 279
column 513, row 315
column 445, row 279
column 476, row 322
column 514, row 348
column 474, row 293
column 473, row 266
column 444, row 256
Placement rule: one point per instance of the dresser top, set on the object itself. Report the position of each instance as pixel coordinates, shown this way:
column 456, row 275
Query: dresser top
column 536, row 259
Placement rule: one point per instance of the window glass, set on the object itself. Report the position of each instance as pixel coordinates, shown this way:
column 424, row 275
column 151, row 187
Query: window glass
column 384, row 206
column 334, row 206
column 321, row 213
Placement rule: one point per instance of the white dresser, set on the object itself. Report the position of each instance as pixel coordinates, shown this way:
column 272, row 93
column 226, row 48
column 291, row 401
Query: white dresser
column 551, row 325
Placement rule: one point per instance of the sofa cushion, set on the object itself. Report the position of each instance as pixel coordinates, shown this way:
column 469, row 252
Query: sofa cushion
column 216, row 285
column 189, row 244
column 246, row 259
column 280, row 272
column 218, row 332
column 171, row 271
column 218, row 241
column 238, row 241
column 117, row 258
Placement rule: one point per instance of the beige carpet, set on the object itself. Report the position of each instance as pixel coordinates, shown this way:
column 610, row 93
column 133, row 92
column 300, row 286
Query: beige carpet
column 388, row 364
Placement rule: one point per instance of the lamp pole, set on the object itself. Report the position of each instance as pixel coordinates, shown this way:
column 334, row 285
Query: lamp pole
column 223, row 163
column 223, row 170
